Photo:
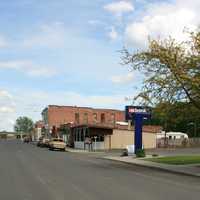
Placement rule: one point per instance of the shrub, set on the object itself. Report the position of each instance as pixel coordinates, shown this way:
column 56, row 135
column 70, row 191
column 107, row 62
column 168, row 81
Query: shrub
column 155, row 155
column 140, row 153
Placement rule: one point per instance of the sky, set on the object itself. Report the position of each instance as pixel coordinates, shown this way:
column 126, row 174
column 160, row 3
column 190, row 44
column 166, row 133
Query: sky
column 66, row 52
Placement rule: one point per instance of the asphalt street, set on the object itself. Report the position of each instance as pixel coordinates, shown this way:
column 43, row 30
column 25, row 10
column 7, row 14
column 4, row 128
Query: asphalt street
column 31, row 173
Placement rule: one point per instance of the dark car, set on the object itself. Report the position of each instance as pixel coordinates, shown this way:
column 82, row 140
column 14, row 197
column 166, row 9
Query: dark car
column 27, row 140
column 43, row 142
column 39, row 143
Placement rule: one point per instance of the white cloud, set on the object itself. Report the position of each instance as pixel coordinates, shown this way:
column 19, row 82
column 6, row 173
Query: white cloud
column 123, row 79
column 28, row 67
column 49, row 35
column 113, row 35
column 3, row 42
column 6, row 109
column 5, row 94
column 31, row 103
column 95, row 22
column 6, row 123
column 119, row 8
column 163, row 19
column 42, row 99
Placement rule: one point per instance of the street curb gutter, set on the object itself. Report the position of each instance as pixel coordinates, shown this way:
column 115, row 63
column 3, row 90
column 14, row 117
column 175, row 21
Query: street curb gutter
column 155, row 168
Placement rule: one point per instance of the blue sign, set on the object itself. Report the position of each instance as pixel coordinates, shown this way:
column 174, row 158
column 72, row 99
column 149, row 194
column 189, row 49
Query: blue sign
column 131, row 111
column 137, row 115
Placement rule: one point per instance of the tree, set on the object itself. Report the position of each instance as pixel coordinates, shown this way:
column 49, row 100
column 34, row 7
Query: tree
column 171, row 69
column 24, row 125
column 180, row 116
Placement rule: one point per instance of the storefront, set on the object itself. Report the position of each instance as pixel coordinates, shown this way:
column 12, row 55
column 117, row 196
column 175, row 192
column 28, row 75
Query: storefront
column 90, row 136
column 100, row 137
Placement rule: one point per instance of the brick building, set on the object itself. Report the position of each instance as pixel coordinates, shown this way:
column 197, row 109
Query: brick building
column 37, row 133
column 54, row 116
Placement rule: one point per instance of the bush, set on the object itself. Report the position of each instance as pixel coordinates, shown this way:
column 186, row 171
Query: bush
column 155, row 155
column 140, row 153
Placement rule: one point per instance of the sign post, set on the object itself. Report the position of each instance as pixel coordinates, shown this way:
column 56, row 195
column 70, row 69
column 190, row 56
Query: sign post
column 137, row 115
column 95, row 143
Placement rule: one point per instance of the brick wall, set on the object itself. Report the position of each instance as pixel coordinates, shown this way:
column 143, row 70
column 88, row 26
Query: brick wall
column 58, row 115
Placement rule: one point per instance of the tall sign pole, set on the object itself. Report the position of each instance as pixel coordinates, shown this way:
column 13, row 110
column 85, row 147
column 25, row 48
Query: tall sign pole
column 137, row 115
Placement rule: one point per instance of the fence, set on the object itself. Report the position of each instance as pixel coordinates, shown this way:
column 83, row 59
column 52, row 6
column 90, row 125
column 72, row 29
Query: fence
column 191, row 142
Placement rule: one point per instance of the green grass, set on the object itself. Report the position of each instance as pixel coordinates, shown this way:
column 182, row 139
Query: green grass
column 177, row 160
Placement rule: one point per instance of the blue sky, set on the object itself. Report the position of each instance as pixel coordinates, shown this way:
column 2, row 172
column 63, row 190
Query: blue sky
column 66, row 52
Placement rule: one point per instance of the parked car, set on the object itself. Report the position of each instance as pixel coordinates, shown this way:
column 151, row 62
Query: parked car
column 57, row 143
column 46, row 142
column 27, row 140
column 39, row 143
column 43, row 142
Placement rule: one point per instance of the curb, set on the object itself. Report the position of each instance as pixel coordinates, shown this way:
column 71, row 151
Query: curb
column 156, row 168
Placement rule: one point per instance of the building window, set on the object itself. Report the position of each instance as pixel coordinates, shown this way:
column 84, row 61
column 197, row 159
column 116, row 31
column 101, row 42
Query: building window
column 103, row 118
column 75, row 135
column 99, row 138
column 77, row 118
column 79, row 135
column 95, row 118
column 82, row 135
column 112, row 118
column 174, row 137
column 85, row 118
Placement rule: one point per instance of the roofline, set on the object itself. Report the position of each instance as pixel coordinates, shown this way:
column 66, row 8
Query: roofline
column 146, row 129
column 83, row 108
column 101, row 126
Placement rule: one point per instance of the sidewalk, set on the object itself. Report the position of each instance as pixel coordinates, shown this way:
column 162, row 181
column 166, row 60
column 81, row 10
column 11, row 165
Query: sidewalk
column 72, row 150
column 99, row 154
column 75, row 150
column 190, row 170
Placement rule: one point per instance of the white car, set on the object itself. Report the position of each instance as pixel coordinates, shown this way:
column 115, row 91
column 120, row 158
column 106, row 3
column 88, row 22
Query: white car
column 57, row 143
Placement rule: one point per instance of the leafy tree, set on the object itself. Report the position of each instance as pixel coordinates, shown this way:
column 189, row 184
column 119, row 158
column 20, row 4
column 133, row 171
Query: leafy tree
column 171, row 69
column 24, row 125
column 180, row 116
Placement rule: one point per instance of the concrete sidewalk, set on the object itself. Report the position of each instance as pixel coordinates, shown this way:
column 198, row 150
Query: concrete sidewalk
column 75, row 150
column 98, row 154
column 72, row 150
column 191, row 170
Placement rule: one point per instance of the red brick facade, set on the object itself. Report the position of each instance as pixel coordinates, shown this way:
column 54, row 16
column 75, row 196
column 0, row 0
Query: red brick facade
column 56, row 115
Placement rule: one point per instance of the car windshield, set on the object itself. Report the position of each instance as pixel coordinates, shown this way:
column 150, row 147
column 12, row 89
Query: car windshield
column 57, row 140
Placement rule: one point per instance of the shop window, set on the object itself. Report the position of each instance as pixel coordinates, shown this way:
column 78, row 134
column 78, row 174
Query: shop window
column 99, row 138
column 82, row 135
column 75, row 136
column 86, row 132
column 79, row 135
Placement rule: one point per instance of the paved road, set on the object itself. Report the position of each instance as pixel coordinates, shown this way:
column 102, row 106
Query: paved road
column 31, row 173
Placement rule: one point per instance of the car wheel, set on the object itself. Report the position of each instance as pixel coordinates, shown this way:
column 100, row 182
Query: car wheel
column 51, row 149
